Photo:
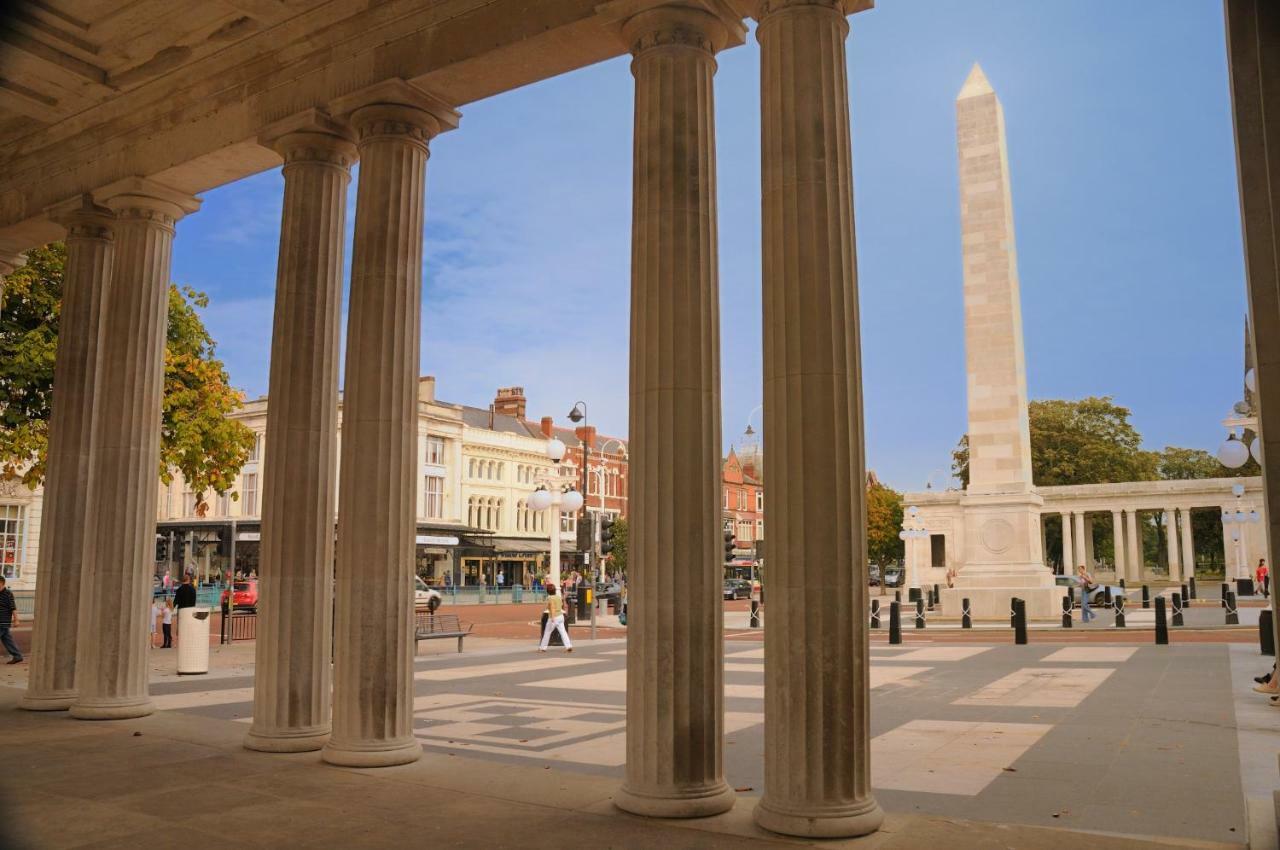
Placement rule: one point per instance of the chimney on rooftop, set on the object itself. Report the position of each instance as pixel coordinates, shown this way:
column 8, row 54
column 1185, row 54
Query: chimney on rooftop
column 510, row 401
column 586, row 433
column 548, row 427
column 427, row 388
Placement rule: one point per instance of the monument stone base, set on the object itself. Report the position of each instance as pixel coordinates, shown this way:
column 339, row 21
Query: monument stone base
column 993, row 603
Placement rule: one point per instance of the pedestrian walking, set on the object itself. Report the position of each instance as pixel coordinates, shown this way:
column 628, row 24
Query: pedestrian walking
column 166, row 624
column 502, row 579
column 1086, row 587
column 9, row 619
column 555, row 621
column 1260, row 576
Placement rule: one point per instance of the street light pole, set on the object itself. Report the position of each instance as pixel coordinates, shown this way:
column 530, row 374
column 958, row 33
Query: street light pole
column 556, row 493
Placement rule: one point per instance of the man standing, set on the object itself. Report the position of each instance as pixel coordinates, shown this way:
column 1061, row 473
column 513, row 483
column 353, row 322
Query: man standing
column 185, row 597
column 8, row 619
column 1260, row 577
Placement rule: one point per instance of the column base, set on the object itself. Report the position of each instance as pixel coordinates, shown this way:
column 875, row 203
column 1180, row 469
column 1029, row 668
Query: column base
column 51, row 701
column 861, row 818
column 693, row 803
column 304, row 740
column 371, row 754
column 123, row 709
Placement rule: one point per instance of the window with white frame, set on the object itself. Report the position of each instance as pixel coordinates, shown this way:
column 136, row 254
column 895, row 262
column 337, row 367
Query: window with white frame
column 255, row 453
column 433, row 496
column 249, row 493
column 224, row 505
column 759, row 529
column 759, row 500
column 744, row 530
column 13, row 533
column 188, row 502
column 435, row 451
column 742, row 500
column 568, row 522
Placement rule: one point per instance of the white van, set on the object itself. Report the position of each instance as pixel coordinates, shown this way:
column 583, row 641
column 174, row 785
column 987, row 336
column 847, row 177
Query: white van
column 424, row 595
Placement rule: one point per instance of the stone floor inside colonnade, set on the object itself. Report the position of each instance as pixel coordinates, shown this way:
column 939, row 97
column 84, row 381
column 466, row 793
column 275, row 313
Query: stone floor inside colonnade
column 975, row 745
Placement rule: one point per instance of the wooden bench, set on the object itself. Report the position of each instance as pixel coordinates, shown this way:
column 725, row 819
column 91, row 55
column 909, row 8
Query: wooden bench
column 433, row 626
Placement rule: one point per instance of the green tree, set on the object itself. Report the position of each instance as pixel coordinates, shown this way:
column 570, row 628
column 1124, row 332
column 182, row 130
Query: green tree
column 197, row 437
column 884, row 521
column 618, row 558
column 1089, row 441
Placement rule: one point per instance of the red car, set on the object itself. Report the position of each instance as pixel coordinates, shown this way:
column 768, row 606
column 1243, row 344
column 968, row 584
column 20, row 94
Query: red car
column 246, row 595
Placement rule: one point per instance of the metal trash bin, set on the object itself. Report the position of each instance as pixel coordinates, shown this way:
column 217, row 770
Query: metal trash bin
column 193, row 641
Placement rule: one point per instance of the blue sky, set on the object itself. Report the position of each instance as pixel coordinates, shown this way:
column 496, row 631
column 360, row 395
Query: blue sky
column 1124, row 192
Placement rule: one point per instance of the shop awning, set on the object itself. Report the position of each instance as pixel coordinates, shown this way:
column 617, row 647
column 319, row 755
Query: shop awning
column 521, row 546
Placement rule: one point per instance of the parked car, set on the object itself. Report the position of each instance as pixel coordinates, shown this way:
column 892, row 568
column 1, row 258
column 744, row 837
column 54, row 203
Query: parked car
column 1096, row 597
column 893, row 577
column 737, row 588
column 244, row 595
column 425, row 596
column 606, row 591
column 873, row 575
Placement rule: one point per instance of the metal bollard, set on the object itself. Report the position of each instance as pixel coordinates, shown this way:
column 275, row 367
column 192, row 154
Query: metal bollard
column 1266, row 637
column 1066, row 612
column 1119, row 612
column 1122, row 585
column 875, row 613
column 755, row 614
column 937, row 595
column 1013, row 612
column 1146, row 596
column 1162, row 627
column 895, row 622
column 1192, row 585
column 897, row 596
column 1186, row 597
column 1176, row 620
column 966, row 618
column 929, row 594
column 1020, row 621
column 1106, row 595
column 1226, row 588
column 919, row 612
column 1233, row 616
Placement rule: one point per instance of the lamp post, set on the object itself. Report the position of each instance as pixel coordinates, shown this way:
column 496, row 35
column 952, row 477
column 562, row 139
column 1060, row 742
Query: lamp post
column 1235, row 522
column 555, row 491
column 912, row 529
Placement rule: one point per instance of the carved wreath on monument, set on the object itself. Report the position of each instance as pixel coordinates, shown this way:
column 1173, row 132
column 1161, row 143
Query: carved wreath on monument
column 997, row 535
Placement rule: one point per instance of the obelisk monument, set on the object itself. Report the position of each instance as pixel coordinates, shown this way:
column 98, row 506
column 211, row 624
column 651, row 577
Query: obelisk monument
column 1002, row 545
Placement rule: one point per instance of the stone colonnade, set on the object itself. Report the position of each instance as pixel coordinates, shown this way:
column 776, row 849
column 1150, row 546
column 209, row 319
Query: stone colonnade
column 104, row 448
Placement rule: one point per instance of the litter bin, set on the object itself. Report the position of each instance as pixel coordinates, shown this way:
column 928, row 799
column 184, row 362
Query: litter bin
column 1244, row 587
column 193, row 641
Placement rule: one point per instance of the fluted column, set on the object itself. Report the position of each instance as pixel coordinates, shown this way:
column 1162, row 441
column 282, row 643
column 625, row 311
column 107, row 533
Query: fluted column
column 1188, row 545
column 64, row 521
column 1171, row 536
column 1135, row 548
column 817, row 738
column 1117, row 542
column 111, row 661
column 291, row 696
column 675, row 654
column 1068, row 546
column 1082, row 548
column 373, row 655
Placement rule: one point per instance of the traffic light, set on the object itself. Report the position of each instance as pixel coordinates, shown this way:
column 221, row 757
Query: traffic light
column 606, row 535
column 584, row 531
column 162, row 548
column 729, row 545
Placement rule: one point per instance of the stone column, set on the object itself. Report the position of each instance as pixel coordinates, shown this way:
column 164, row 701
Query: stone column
column 1135, row 559
column 112, row 652
column 1171, row 538
column 1117, row 542
column 65, row 519
column 1188, row 545
column 1081, row 548
column 373, row 655
column 675, row 683
column 1044, row 539
column 1068, row 546
column 816, row 736
column 291, row 699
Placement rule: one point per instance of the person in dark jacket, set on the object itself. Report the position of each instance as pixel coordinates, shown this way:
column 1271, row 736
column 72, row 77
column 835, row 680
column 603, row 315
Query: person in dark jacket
column 9, row 619
column 185, row 597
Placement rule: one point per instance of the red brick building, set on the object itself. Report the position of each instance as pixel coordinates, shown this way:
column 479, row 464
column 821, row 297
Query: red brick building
column 743, row 503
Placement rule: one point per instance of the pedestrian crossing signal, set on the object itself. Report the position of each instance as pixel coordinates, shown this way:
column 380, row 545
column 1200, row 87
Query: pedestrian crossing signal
column 606, row 535
column 729, row 545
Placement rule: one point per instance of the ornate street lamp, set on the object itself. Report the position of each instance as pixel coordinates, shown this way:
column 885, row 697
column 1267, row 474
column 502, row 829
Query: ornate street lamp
column 555, row 491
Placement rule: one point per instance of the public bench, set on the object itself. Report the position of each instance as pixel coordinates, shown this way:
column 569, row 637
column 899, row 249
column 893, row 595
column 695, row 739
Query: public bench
column 433, row 626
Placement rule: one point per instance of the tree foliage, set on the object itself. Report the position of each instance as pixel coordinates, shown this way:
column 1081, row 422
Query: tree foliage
column 884, row 521
column 197, row 437
column 618, row 558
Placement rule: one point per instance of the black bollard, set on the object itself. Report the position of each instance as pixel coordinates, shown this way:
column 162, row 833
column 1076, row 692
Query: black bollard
column 1186, row 597
column 897, row 596
column 755, row 614
column 1226, row 588
column 937, row 595
column 1106, row 595
column 914, row 593
column 1066, row 612
column 875, row 613
column 1020, row 621
column 1122, row 585
column 1233, row 616
column 966, row 619
column 1266, row 637
column 1119, row 612
column 1146, row 596
column 1176, row 620
column 919, row 612
column 1013, row 612
column 931, row 598
column 1162, row 628
column 895, row 622
column 1192, row 583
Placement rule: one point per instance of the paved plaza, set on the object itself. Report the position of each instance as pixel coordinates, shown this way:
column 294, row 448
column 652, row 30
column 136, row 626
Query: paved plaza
column 1129, row 740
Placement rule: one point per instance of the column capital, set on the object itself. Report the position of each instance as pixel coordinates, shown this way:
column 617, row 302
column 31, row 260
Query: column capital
column 395, row 107
column 143, row 198
column 83, row 218
column 707, row 25
column 311, row 136
column 764, row 8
